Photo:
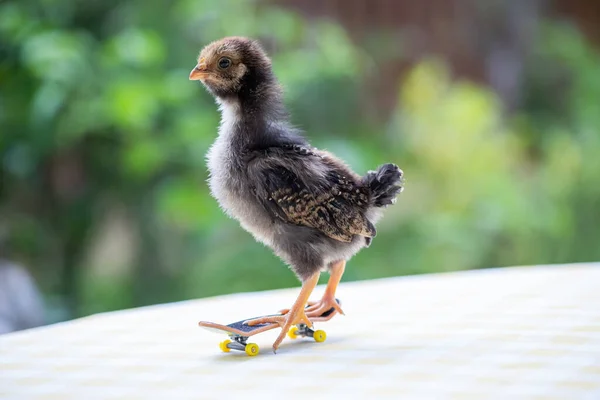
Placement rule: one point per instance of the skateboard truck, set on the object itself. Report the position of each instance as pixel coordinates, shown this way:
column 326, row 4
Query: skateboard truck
column 302, row 330
column 239, row 343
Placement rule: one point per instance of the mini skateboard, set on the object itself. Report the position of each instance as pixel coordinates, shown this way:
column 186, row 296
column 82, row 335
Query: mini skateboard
column 239, row 332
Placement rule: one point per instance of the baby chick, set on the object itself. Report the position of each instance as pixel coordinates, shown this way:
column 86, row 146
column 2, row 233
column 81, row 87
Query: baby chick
column 310, row 208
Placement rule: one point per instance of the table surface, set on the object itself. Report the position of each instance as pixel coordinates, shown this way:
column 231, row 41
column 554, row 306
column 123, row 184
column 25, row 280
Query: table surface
column 511, row 333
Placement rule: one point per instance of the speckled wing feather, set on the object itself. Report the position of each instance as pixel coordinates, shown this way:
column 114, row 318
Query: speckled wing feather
column 332, row 204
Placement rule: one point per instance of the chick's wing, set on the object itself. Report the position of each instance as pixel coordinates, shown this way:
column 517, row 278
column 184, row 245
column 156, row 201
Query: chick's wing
column 302, row 186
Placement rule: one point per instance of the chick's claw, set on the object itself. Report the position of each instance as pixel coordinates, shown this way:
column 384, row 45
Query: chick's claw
column 291, row 318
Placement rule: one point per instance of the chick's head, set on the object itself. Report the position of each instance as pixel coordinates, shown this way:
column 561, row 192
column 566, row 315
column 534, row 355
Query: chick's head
column 231, row 64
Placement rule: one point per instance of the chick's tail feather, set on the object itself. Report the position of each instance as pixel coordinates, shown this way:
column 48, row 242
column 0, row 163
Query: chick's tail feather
column 385, row 184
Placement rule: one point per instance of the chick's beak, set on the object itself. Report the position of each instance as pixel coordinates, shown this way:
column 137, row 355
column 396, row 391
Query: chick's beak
column 198, row 72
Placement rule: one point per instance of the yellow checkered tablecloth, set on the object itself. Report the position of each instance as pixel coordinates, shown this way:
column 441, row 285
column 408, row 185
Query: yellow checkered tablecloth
column 514, row 333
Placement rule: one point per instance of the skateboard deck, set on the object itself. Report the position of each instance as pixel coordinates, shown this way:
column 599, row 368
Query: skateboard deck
column 239, row 331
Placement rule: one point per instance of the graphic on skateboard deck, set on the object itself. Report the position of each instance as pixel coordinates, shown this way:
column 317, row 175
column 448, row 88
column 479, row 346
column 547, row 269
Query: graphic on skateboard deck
column 239, row 332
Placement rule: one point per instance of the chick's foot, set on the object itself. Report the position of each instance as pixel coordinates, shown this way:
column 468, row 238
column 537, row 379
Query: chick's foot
column 320, row 307
column 294, row 316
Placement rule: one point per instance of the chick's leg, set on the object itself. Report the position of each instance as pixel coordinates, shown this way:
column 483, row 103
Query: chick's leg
column 295, row 315
column 328, row 300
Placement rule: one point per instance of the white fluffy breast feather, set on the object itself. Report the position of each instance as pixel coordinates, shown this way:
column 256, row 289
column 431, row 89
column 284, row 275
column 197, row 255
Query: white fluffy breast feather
column 222, row 183
column 219, row 158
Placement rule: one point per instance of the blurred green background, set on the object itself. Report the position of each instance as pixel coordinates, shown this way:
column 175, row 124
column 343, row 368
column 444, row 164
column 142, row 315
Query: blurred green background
column 491, row 108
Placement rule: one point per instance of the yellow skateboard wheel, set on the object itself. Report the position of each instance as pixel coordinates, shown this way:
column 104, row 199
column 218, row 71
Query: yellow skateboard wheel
column 252, row 349
column 223, row 346
column 319, row 336
column 293, row 333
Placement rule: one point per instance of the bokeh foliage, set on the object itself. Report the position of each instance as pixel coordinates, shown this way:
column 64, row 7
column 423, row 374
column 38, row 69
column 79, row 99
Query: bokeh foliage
column 103, row 138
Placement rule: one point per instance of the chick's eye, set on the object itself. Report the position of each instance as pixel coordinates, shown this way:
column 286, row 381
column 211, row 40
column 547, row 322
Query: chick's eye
column 224, row 63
